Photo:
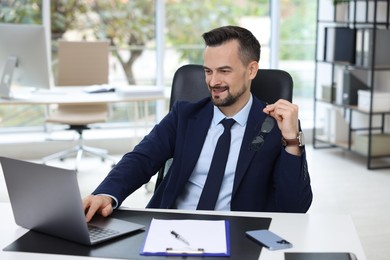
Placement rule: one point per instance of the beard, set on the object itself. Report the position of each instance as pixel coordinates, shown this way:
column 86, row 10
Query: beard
column 229, row 100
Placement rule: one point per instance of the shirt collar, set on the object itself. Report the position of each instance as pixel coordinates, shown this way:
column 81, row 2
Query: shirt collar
column 241, row 117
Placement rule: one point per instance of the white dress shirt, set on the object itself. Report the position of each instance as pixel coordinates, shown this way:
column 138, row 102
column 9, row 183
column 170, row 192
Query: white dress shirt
column 193, row 189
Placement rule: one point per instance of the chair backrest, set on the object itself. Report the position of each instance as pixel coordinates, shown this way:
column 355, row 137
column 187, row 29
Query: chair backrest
column 269, row 85
column 82, row 63
column 189, row 84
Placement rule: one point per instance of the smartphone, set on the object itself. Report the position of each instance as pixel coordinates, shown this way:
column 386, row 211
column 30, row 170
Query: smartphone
column 268, row 239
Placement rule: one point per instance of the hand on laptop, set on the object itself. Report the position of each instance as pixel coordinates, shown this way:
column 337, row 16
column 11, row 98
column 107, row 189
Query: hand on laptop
column 97, row 204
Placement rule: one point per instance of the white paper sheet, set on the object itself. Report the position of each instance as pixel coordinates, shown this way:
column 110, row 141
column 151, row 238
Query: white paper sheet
column 209, row 235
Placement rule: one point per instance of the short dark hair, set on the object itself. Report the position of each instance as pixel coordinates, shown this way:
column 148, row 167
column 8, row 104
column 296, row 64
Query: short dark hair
column 249, row 47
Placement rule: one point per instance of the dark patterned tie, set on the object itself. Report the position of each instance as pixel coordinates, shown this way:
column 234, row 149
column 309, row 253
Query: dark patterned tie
column 214, row 179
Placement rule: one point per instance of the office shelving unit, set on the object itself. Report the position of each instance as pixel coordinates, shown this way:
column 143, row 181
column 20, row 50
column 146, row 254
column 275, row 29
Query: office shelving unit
column 352, row 55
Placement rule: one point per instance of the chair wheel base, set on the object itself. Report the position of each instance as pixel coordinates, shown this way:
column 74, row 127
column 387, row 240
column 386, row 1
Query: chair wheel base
column 79, row 150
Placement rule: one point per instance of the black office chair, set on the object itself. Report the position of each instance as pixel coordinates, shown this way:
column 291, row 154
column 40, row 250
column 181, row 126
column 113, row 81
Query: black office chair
column 189, row 84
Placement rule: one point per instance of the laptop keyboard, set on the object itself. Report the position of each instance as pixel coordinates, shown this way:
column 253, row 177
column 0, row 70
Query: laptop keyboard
column 98, row 233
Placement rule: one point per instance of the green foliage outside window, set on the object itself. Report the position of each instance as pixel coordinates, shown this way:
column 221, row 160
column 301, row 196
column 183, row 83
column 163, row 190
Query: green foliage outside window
column 297, row 29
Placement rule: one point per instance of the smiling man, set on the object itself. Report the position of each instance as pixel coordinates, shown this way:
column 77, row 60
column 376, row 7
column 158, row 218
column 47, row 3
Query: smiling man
column 273, row 178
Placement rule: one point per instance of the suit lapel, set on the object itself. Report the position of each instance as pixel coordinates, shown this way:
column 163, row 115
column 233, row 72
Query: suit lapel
column 197, row 128
column 255, row 119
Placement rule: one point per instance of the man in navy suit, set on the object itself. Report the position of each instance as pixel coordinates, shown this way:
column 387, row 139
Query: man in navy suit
column 270, row 177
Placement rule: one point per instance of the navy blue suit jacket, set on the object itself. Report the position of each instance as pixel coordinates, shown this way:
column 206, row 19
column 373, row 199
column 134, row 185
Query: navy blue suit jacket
column 269, row 179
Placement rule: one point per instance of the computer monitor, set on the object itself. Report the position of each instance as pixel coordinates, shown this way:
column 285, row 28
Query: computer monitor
column 24, row 56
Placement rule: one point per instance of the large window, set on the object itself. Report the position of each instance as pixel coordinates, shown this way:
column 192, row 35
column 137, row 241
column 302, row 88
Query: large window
column 297, row 52
column 138, row 55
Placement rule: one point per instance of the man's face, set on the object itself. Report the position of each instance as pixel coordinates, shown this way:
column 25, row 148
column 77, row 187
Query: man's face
column 227, row 78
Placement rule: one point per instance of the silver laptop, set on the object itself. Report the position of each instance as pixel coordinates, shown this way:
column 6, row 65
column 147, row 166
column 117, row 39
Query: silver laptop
column 47, row 199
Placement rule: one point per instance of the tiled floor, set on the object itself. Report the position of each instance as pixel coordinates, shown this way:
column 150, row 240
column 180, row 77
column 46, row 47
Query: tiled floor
column 340, row 181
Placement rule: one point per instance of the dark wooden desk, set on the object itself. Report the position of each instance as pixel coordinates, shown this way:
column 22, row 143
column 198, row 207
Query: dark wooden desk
column 129, row 247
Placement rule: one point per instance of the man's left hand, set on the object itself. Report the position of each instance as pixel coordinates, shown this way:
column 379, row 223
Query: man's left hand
column 286, row 115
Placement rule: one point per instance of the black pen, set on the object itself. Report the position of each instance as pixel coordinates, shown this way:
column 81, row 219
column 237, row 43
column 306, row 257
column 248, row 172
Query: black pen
column 177, row 236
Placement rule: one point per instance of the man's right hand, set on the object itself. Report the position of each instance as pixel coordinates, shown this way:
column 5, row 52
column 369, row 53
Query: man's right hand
column 97, row 204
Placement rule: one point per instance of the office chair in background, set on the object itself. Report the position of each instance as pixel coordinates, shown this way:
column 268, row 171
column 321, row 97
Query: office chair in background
column 189, row 84
column 81, row 64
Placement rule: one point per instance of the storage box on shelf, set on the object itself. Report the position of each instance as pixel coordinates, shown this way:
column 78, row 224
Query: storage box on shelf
column 339, row 44
column 336, row 127
column 328, row 93
column 380, row 144
column 380, row 101
column 352, row 82
column 382, row 8
column 366, row 44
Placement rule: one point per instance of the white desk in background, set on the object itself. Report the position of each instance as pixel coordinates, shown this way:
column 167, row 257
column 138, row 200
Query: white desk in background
column 307, row 233
column 78, row 95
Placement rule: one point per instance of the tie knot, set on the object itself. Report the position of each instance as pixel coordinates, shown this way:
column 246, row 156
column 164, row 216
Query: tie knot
column 228, row 123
